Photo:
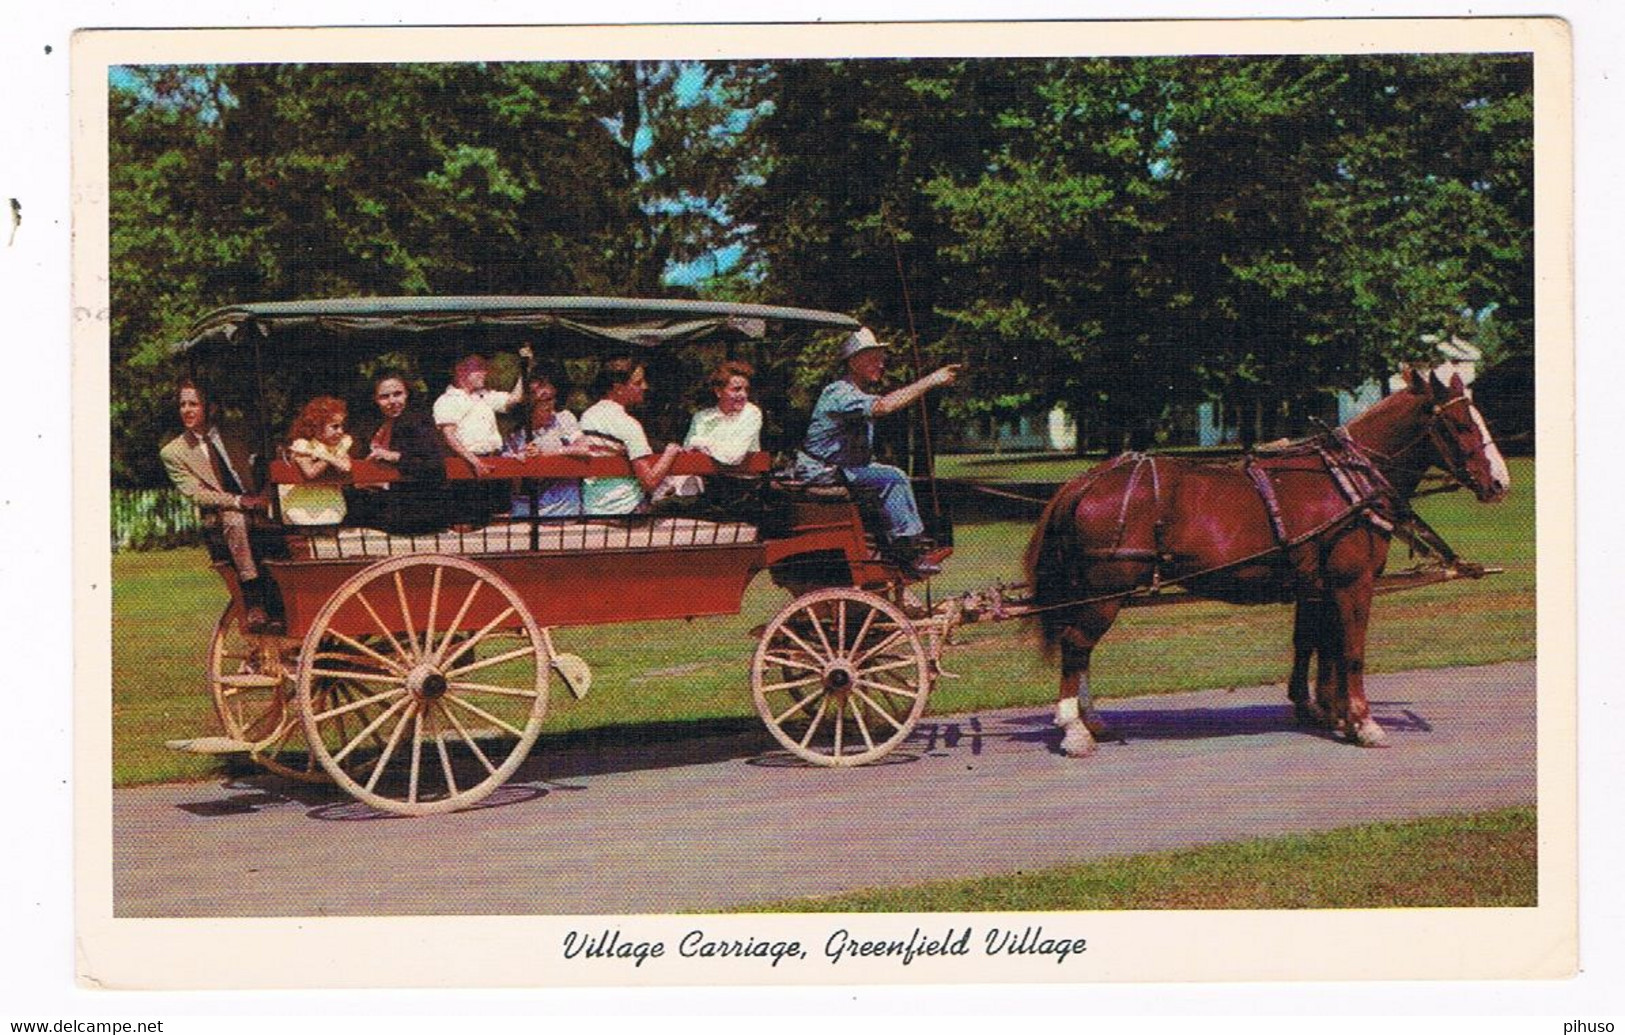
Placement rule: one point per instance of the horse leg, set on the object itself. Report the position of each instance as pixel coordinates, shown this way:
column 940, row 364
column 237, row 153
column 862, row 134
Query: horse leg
column 1074, row 708
column 1353, row 608
column 1309, row 641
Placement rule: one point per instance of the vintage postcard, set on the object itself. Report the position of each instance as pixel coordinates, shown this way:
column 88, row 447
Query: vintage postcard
column 825, row 504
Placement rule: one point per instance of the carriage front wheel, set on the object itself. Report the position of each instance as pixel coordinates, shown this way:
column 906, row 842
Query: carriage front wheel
column 840, row 677
column 453, row 672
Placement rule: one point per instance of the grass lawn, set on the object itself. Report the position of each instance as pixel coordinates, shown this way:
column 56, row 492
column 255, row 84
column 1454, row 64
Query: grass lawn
column 689, row 673
column 1460, row 861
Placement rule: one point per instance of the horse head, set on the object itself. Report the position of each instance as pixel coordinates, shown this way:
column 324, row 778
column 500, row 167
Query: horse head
column 1461, row 439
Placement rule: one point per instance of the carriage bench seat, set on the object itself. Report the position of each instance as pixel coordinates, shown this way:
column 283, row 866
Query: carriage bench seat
column 516, row 537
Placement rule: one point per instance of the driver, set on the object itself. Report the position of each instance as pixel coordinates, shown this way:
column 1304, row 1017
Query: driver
column 840, row 444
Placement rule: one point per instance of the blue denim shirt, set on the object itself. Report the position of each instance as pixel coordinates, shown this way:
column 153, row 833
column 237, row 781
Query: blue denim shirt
column 842, row 430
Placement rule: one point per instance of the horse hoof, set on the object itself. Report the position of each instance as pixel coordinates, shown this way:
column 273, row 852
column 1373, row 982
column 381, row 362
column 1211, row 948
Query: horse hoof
column 1370, row 735
column 1078, row 741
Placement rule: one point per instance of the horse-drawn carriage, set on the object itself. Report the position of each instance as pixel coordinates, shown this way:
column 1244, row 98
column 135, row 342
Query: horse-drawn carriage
column 414, row 670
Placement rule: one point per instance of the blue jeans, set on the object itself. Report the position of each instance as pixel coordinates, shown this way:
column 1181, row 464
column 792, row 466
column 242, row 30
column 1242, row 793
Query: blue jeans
column 897, row 504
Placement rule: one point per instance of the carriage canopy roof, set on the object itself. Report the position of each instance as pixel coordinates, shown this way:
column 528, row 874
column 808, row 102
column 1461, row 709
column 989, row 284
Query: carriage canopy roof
column 595, row 323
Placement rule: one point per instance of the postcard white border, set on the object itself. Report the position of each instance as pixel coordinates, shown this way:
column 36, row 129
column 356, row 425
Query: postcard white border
column 1161, row 946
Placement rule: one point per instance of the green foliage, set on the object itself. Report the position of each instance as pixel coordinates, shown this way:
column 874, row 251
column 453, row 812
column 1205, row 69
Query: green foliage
column 262, row 182
column 1124, row 237
column 1127, row 236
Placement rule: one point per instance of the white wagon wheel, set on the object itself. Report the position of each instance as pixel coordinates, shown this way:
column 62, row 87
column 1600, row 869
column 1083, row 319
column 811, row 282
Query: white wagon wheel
column 251, row 680
column 840, row 677
column 451, row 706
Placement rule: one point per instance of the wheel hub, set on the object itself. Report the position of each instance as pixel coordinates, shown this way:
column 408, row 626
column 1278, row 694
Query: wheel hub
column 426, row 682
column 839, row 676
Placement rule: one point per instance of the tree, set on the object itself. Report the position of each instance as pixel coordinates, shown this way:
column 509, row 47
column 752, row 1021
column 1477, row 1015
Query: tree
column 244, row 182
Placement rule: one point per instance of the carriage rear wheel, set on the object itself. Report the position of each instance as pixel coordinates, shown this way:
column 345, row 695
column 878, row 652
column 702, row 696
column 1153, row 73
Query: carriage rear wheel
column 840, row 677
column 447, row 674
column 251, row 680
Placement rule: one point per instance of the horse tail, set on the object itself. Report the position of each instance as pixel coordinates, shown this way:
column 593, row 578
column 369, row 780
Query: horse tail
column 1052, row 563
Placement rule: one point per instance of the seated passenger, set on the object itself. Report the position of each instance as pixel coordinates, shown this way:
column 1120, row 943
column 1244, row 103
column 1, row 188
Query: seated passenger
column 840, row 441
column 216, row 472
column 621, row 385
column 466, row 414
column 408, row 441
column 547, row 431
column 727, row 432
column 317, row 445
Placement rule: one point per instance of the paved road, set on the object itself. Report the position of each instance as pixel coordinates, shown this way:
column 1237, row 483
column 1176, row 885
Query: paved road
column 615, row 825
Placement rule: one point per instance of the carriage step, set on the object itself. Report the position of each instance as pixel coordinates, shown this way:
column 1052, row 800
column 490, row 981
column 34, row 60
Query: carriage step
column 250, row 680
column 211, row 746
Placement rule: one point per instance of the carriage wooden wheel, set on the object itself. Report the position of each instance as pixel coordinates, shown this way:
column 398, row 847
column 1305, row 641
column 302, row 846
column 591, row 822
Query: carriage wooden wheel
column 840, row 677
column 452, row 672
column 251, row 679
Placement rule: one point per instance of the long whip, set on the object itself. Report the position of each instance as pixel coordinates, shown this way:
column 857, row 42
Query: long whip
column 925, row 413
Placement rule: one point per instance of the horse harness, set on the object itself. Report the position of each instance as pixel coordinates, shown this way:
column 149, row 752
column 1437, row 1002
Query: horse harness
column 1353, row 469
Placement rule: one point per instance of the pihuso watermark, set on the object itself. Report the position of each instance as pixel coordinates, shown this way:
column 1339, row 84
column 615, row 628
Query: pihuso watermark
column 1576, row 1027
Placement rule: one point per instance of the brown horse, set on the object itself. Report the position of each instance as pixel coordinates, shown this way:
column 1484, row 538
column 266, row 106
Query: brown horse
column 1308, row 524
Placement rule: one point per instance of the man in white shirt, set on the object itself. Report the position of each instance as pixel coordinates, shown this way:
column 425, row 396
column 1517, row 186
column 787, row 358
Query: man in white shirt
column 620, row 386
column 466, row 412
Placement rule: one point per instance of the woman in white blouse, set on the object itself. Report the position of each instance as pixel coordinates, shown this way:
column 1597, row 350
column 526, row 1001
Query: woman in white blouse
column 727, row 432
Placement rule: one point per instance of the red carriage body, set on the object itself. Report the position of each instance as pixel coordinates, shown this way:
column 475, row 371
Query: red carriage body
column 405, row 658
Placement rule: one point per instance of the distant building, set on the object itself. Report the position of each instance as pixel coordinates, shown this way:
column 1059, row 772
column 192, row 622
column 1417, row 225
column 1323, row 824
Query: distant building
column 1054, row 431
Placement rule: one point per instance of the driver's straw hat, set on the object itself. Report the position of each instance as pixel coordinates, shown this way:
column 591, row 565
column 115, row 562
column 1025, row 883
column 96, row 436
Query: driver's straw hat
column 861, row 340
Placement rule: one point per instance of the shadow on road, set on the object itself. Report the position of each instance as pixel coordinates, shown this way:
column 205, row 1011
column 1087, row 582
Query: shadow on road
column 560, row 761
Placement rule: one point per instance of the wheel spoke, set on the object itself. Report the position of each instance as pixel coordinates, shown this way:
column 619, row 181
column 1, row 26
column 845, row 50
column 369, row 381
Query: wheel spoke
column 473, row 744
column 882, row 712
column 840, row 625
column 470, row 643
column 812, row 727
column 487, row 688
column 812, row 652
column 840, row 723
column 870, row 670
column 360, row 677
column 887, row 688
column 406, row 614
column 363, row 648
column 482, row 713
column 445, row 763
column 895, row 635
column 355, row 705
column 495, row 659
column 863, row 727
column 382, row 718
column 818, row 627
column 274, row 747
column 417, row 753
column 863, row 631
column 462, row 612
column 774, row 659
column 383, row 628
column 791, row 685
column 434, row 608
column 778, row 720
column 389, row 750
